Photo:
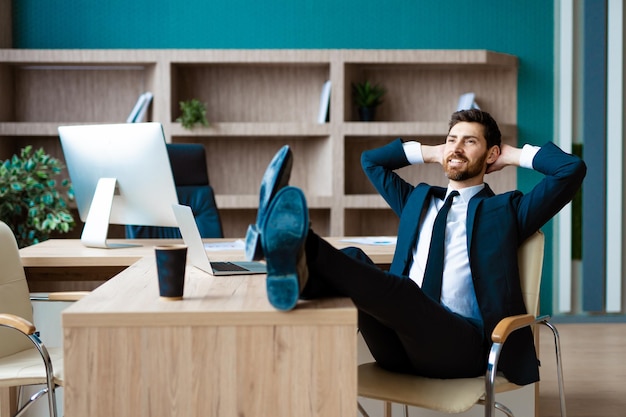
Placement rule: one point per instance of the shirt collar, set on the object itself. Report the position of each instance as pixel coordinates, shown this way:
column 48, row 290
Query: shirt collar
column 468, row 192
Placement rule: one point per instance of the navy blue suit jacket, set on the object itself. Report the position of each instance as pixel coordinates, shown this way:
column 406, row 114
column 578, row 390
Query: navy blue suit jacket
column 496, row 226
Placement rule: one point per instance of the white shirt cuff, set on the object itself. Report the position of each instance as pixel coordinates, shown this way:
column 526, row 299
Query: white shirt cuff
column 413, row 152
column 527, row 156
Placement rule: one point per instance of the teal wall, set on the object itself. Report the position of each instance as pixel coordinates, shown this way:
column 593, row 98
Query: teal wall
column 522, row 28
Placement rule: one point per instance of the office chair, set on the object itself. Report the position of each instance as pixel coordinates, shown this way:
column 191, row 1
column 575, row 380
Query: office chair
column 459, row 395
column 191, row 178
column 24, row 359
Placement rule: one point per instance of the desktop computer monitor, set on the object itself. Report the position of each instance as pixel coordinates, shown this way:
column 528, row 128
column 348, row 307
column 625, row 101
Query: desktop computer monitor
column 120, row 174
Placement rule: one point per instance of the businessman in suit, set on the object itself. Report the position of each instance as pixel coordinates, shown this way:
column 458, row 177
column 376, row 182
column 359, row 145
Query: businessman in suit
column 408, row 326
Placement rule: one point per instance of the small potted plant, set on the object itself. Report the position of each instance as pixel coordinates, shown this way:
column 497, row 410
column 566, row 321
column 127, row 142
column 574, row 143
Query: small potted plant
column 367, row 97
column 193, row 112
column 32, row 202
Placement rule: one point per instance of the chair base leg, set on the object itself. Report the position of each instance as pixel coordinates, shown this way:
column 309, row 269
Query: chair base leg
column 506, row 410
column 559, row 365
column 362, row 410
column 31, row 401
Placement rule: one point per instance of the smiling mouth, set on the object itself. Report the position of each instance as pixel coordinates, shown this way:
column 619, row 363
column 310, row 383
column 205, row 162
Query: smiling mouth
column 456, row 162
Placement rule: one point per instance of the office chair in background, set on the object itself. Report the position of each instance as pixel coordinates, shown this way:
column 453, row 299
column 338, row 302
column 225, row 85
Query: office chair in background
column 459, row 395
column 191, row 177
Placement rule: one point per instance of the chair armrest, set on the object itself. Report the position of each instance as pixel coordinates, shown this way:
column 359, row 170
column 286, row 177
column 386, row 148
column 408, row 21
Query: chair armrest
column 58, row 296
column 503, row 329
column 508, row 325
column 18, row 323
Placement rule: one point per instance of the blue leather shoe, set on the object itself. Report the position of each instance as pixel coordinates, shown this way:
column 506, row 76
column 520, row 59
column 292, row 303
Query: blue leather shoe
column 276, row 176
column 283, row 235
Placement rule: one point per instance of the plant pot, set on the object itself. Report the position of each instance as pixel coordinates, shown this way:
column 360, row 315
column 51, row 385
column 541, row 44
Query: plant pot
column 367, row 114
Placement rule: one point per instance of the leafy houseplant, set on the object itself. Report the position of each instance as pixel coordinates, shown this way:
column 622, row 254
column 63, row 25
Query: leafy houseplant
column 193, row 112
column 31, row 200
column 367, row 97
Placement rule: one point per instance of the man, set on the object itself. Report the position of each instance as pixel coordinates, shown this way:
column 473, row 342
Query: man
column 412, row 321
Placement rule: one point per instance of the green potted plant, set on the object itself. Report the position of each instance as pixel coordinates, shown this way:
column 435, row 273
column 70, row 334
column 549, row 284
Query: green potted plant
column 192, row 112
column 32, row 202
column 367, row 97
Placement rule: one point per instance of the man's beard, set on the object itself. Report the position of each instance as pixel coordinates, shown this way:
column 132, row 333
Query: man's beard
column 471, row 170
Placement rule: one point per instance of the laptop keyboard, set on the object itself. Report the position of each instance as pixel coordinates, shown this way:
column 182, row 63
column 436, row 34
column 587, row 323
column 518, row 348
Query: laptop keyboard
column 226, row 267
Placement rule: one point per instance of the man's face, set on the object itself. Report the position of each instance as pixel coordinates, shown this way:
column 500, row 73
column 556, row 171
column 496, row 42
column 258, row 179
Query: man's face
column 465, row 154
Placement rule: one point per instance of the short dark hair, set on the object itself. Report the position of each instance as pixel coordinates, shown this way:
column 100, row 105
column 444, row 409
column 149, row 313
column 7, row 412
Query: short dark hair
column 491, row 130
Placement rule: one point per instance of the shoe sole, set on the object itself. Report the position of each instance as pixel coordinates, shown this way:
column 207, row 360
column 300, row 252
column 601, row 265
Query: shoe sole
column 283, row 234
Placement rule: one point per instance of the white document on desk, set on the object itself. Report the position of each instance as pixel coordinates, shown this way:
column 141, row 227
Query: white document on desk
column 373, row 240
column 221, row 246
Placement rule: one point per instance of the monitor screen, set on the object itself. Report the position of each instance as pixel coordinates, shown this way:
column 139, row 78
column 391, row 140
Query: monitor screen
column 120, row 174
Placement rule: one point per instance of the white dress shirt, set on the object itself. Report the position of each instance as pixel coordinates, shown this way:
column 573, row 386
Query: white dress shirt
column 457, row 291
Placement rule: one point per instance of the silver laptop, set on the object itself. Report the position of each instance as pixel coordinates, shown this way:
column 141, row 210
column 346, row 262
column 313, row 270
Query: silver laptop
column 199, row 257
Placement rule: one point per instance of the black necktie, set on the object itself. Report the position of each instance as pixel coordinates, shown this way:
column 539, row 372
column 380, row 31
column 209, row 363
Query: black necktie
column 433, row 273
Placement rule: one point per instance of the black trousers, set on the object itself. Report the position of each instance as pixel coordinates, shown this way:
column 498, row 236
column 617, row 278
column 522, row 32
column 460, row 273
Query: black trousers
column 403, row 328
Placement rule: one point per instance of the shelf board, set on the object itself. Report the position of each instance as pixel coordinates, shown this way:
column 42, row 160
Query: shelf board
column 247, row 56
column 30, row 129
column 253, row 129
column 436, row 129
column 110, row 57
column 431, row 57
column 38, row 128
column 446, row 57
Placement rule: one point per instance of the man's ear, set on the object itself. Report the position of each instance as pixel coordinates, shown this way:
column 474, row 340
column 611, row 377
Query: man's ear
column 493, row 154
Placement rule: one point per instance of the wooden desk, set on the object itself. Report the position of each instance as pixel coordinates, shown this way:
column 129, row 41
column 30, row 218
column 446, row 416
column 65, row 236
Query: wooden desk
column 221, row 351
column 67, row 265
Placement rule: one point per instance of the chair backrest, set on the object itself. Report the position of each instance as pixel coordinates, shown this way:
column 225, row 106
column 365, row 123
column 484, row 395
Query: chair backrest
column 530, row 259
column 14, row 294
column 191, row 177
column 188, row 162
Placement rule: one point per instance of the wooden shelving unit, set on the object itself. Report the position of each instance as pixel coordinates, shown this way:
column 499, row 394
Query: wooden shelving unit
column 259, row 100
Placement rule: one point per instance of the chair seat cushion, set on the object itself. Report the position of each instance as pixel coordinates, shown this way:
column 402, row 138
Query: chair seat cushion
column 446, row 395
column 26, row 368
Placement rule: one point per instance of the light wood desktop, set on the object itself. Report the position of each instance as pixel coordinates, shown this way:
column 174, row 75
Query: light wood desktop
column 67, row 265
column 221, row 351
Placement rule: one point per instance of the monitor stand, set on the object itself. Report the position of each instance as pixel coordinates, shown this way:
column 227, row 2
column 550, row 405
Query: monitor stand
column 96, row 226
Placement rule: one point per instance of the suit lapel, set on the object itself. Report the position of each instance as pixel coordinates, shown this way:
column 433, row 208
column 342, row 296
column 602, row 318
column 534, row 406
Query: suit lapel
column 409, row 227
column 472, row 208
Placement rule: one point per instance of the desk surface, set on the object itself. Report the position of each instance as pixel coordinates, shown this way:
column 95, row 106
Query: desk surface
column 72, row 253
column 132, row 299
column 67, row 265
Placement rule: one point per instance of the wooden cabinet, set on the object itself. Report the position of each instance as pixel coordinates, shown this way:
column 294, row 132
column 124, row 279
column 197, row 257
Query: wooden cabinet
column 259, row 100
